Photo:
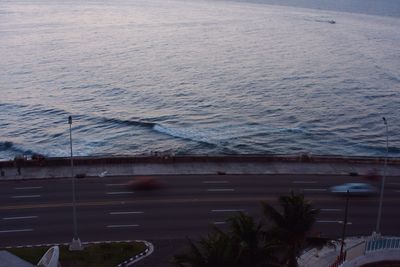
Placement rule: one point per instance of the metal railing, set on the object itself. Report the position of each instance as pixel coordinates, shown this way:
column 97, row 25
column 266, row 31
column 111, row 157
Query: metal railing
column 384, row 243
column 365, row 247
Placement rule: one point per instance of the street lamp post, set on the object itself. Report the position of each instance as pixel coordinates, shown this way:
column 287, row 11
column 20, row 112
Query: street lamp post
column 378, row 222
column 346, row 210
column 76, row 242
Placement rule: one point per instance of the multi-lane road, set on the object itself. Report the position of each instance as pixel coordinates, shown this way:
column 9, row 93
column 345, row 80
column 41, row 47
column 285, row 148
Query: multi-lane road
column 40, row 211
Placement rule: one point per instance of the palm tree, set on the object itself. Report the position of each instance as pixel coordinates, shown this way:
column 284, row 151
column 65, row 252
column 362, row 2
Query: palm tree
column 242, row 245
column 252, row 246
column 291, row 225
column 213, row 251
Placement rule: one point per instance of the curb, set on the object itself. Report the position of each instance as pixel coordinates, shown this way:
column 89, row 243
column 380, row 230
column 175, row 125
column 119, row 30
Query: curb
column 141, row 256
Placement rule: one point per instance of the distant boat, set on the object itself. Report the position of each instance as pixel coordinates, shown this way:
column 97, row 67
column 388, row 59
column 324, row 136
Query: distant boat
column 331, row 21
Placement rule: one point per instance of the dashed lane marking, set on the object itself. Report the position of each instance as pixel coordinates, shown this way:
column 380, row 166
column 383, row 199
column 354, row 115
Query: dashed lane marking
column 341, row 222
column 15, row 231
column 331, row 209
column 123, row 225
column 304, row 182
column 221, row 190
column 215, row 182
column 27, row 196
column 28, row 187
column 227, row 210
column 315, row 189
column 20, row 218
column 119, row 193
column 125, row 212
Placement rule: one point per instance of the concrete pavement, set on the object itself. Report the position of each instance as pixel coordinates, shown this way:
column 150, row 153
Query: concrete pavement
column 8, row 259
column 165, row 165
column 327, row 255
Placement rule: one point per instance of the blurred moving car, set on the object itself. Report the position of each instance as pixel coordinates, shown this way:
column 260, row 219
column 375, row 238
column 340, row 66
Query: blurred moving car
column 145, row 183
column 355, row 189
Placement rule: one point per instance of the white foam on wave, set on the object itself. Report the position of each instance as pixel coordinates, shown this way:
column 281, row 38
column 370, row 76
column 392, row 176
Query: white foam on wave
column 217, row 137
column 189, row 134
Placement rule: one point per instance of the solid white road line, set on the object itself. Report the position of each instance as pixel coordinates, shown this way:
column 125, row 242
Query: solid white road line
column 28, row 187
column 304, row 182
column 227, row 210
column 219, row 223
column 215, row 182
column 119, row 193
column 16, row 230
column 330, row 209
column 20, row 218
column 116, row 184
column 122, row 225
column 125, row 212
column 315, row 189
column 27, row 196
column 221, row 190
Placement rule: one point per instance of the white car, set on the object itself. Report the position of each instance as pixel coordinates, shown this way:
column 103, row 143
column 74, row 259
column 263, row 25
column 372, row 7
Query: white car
column 355, row 189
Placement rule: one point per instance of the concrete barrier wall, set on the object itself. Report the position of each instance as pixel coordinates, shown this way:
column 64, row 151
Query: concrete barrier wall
column 165, row 159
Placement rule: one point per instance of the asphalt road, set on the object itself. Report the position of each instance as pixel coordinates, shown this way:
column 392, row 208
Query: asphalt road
column 40, row 211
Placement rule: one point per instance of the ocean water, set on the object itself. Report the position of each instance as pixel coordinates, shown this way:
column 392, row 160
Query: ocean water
column 199, row 77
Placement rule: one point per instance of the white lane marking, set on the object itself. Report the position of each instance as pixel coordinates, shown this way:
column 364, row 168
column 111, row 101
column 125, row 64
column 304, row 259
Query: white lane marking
column 28, row 187
column 215, row 182
column 331, row 209
column 227, row 210
column 125, row 212
column 304, row 182
column 116, row 184
column 119, row 193
column 315, row 189
column 122, row 225
column 398, row 191
column 27, row 196
column 219, row 223
column 16, row 230
column 221, row 190
column 20, row 218
column 394, row 183
column 341, row 222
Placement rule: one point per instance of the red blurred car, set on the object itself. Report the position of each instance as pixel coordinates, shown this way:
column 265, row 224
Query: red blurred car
column 145, row 183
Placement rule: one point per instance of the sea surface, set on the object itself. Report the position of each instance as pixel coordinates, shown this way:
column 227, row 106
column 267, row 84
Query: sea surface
column 199, row 77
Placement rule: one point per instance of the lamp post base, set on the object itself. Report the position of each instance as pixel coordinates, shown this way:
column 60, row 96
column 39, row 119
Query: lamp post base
column 375, row 235
column 75, row 244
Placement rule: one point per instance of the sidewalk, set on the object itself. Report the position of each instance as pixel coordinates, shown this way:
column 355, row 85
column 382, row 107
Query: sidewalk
column 100, row 167
column 327, row 255
column 8, row 260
